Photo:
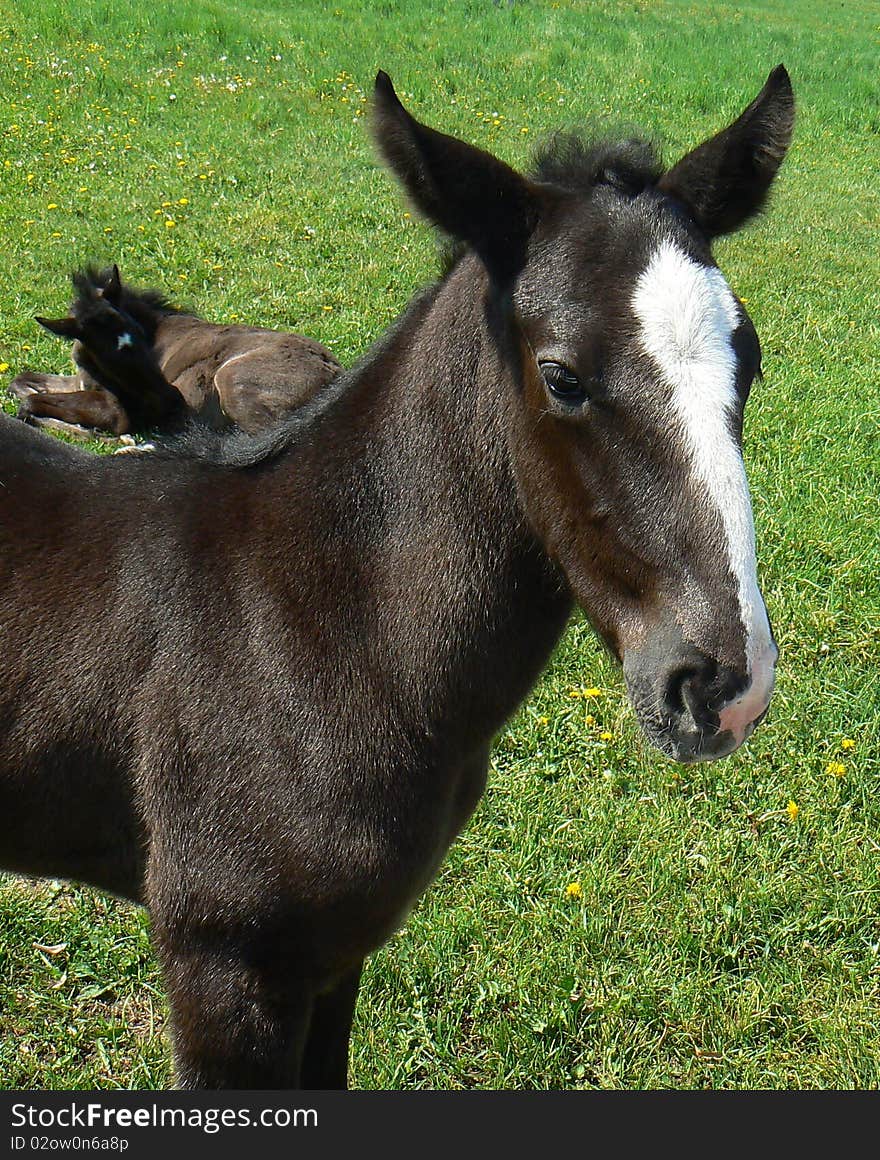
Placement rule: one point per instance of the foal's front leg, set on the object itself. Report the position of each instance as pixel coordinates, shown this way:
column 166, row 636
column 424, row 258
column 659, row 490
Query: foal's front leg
column 236, row 1024
column 94, row 408
column 325, row 1059
column 34, row 382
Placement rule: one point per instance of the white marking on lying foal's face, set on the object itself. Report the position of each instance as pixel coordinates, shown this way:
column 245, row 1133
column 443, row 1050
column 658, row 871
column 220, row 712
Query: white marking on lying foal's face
column 688, row 316
column 124, row 340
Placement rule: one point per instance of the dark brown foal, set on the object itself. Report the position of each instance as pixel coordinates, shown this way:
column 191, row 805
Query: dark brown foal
column 311, row 637
column 144, row 366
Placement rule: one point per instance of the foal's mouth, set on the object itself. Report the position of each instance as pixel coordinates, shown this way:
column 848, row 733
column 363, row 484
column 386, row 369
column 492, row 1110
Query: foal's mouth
column 686, row 745
column 689, row 749
column 683, row 739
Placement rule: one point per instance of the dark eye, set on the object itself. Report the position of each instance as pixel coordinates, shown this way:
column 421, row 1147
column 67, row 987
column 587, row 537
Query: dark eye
column 562, row 383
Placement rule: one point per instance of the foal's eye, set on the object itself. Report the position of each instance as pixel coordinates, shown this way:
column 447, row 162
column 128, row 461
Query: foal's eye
column 562, row 383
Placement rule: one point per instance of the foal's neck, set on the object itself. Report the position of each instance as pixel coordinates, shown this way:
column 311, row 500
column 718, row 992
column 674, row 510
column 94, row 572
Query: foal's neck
column 466, row 605
column 150, row 399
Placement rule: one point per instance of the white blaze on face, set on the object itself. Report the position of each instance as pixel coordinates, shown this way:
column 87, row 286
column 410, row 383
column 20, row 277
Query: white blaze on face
column 688, row 315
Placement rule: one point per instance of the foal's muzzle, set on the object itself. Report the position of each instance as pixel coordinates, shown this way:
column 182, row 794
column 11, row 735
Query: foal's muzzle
column 692, row 707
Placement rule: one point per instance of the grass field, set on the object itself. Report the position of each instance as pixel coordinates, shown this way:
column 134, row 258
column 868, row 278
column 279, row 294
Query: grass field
column 722, row 926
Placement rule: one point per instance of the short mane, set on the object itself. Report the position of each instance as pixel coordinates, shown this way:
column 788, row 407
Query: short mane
column 567, row 159
column 142, row 305
column 578, row 163
column 231, row 447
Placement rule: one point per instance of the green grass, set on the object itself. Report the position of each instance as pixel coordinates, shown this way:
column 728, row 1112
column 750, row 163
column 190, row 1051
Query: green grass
column 717, row 940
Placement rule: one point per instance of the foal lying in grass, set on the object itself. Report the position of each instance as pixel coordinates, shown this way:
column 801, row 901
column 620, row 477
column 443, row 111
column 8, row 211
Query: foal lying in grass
column 145, row 367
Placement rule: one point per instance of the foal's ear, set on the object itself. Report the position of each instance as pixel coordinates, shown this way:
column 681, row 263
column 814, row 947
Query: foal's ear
column 112, row 288
column 63, row 327
column 724, row 181
column 470, row 194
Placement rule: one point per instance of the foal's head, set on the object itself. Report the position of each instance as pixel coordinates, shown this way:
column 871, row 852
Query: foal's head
column 109, row 340
column 633, row 364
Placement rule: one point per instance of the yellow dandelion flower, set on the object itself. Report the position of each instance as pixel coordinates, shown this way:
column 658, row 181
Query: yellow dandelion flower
column 835, row 768
column 792, row 809
column 4, row 367
column 170, row 223
column 183, row 201
column 592, row 692
column 589, row 719
column 574, row 890
column 606, row 736
column 541, row 720
column 52, row 205
column 847, row 743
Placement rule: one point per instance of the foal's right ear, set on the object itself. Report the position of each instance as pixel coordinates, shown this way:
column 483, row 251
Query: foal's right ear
column 63, row 327
column 112, row 288
column 725, row 181
column 470, row 194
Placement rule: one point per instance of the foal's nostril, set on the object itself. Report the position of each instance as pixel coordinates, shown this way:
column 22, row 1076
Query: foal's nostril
column 700, row 689
column 701, row 699
column 677, row 690
column 698, row 703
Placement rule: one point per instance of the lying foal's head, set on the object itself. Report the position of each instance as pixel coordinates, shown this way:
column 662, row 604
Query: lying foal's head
column 109, row 340
column 634, row 360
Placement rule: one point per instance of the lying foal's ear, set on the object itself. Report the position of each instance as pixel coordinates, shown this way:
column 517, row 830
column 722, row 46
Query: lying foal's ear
column 63, row 327
column 724, row 181
column 112, row 288
column 470, row 194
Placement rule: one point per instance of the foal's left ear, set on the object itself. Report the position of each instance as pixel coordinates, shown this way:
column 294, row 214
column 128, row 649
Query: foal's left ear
column 62, row 327
column 724, row 181
column 468, row 193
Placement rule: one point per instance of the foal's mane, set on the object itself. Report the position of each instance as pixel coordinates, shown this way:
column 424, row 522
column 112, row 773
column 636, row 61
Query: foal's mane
column 237, row 449
column 572, row 160
column 144, row 306
column 569, row 159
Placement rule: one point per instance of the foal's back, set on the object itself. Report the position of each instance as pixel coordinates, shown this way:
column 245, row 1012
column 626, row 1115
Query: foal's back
column 245, row 375
column 83, row 537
